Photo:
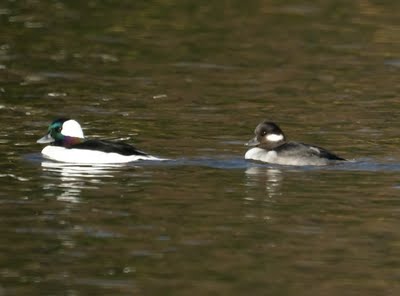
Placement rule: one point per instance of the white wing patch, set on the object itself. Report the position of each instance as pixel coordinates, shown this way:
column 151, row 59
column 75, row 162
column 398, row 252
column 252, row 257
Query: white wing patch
column 315, row 149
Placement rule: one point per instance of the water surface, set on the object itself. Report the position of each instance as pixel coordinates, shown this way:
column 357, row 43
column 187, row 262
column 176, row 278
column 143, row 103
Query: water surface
column 190, row 82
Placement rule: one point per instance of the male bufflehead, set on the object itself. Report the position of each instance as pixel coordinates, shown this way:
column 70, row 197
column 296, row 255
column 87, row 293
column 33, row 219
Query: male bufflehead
column 68, row 144
column 271, row 146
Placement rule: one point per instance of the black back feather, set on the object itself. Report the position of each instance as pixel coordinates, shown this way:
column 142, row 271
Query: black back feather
column 109, row 146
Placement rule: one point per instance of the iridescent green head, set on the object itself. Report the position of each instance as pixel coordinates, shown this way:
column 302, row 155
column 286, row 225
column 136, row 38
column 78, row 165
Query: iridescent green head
column 61, row 130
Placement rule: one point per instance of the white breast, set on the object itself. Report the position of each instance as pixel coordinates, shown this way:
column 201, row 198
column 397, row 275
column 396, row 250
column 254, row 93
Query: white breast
column 83, row 156
column 261, row 155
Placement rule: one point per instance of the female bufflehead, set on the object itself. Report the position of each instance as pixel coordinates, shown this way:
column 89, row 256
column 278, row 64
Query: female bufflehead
column 68, row 144
column 271, row 146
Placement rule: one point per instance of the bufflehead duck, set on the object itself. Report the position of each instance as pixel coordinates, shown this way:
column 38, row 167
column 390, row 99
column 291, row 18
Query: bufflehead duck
column 271, row 146
column 68, row 144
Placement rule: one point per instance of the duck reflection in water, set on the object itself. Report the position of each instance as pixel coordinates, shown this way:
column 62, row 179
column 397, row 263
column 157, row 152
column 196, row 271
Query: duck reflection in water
column 72, row 179
column 271, row 178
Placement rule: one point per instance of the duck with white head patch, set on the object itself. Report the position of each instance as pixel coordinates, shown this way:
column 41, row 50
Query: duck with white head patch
column 271, row 146
column 68, row 144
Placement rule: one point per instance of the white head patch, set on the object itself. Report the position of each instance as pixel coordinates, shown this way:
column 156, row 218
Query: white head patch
column 72, row 128
column 274, row 137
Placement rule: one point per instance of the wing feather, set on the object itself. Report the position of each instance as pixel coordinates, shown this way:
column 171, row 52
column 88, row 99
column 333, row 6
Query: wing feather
column 109, row 147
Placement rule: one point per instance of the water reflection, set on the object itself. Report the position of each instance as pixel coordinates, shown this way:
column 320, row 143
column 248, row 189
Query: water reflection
column 270, row 179
column 71, row 179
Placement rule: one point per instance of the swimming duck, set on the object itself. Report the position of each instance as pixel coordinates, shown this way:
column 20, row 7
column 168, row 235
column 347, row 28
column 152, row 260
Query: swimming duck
column 68, row 144
column 271, row 146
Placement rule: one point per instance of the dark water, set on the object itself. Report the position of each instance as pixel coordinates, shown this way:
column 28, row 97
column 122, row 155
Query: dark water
column 189, row 82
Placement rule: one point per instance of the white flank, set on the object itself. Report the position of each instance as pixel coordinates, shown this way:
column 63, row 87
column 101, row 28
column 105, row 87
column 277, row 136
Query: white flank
column 272, row 157
column 274, row 137
column 82, row 156
column 72, row 128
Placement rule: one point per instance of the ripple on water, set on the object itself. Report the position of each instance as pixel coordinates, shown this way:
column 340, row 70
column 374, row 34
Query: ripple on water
column 221, row 162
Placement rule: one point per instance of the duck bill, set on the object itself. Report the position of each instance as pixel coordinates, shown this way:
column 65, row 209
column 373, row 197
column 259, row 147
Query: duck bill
column 252, row 142
column 46, row 139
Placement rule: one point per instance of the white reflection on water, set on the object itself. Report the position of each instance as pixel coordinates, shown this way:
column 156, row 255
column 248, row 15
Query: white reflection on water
column 72, row 178
column 270, row 178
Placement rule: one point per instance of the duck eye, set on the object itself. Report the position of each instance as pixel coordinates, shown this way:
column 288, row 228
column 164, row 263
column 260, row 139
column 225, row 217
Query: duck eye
column 58, row 129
